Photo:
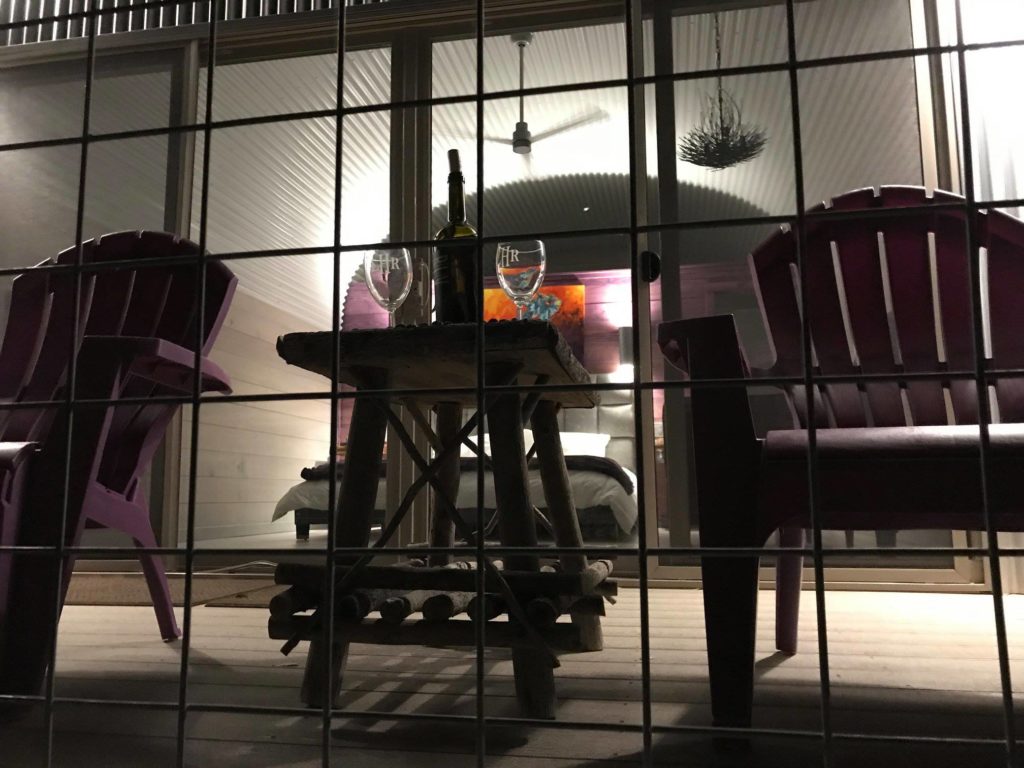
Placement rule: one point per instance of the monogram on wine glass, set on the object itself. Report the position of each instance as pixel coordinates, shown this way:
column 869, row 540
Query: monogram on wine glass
column 507, row 256
column 388, row 275
column 387, row 262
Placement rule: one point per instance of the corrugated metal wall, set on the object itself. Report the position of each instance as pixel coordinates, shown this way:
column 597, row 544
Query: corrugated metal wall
column 134, row 18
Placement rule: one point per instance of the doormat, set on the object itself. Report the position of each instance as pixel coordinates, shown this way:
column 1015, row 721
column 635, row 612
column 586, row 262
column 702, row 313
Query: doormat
column 253, row 598
column 131, row 589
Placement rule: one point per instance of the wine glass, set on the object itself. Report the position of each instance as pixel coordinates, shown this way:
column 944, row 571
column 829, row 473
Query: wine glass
column 520, row 265
column 388, row 273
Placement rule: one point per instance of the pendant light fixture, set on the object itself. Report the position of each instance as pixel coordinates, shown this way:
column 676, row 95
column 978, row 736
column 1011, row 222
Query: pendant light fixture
column 721, row 139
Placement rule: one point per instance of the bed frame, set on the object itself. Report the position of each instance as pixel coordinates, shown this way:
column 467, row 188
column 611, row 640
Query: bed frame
column 614, row 416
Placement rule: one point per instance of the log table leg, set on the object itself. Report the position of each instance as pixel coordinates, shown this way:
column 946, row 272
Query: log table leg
column 356, row 500
column 562, row 508
column 535, row 678
column 516, row 524
column 314, row 677
column 442, row 528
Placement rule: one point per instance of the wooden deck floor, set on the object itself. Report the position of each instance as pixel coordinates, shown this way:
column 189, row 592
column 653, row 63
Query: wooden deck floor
column 920, row 665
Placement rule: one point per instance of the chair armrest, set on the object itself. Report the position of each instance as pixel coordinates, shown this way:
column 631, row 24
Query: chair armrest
column 726, row 451
column 156, row 360
column 704, row 347
column 12, row 479
column 13, row 454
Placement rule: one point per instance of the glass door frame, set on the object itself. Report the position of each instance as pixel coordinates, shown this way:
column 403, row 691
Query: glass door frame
column 410, row 28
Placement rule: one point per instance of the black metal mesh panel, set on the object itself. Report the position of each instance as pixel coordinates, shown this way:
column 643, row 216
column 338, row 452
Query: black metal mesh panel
column 333, row 735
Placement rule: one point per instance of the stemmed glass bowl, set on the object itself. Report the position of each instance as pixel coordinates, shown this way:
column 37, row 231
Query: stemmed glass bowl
column 520, row 265
column 388, row 274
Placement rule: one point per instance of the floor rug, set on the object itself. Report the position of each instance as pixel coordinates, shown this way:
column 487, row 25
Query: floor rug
column 130, row 589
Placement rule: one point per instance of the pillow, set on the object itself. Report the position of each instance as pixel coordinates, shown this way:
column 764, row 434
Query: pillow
column 466, row 452
column 584, row 443
column 573, row 443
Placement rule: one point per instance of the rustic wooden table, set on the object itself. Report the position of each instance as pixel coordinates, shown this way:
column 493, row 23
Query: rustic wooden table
column 426, row 362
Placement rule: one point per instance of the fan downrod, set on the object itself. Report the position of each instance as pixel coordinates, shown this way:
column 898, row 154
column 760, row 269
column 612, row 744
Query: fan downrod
column 521, row 141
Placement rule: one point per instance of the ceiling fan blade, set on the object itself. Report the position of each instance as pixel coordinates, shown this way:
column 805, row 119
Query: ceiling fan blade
column 472, row 137
column 576, row 121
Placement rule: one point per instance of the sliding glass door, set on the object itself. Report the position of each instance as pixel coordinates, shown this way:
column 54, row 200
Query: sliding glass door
column 124, row 183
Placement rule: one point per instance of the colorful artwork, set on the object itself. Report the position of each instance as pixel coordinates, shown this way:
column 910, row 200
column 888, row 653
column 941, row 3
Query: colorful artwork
column 562, row 305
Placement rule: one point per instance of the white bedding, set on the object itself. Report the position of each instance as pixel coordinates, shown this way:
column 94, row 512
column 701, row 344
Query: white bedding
column 589, row 489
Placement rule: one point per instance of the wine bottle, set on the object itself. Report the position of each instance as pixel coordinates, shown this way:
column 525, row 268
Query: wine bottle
column 455, row 264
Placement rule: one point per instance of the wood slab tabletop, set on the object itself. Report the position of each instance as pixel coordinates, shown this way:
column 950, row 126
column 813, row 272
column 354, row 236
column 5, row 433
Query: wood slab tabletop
column 440, row 355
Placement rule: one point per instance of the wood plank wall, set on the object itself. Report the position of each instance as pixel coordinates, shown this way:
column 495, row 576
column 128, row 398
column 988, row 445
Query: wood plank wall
column 251, row 453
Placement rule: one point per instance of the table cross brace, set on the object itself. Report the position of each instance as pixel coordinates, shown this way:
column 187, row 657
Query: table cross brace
column 529, row 404
column 512, row 602
column 426, row 476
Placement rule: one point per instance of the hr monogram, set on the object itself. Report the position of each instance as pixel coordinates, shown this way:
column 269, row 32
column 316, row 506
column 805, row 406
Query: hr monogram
column 386, row 262
column 508, row 255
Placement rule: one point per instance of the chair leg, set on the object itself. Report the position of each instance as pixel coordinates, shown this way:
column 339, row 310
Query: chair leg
column 159, row 593
column 23, row 655
column 133, row 521
column 788, row 577
column 730, row 616
column 156, row 580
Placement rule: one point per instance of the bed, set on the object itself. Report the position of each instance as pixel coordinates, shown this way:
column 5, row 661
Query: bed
column 607, row 506
column 604, row 491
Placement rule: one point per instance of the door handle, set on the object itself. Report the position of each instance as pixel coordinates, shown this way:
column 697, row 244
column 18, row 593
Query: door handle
column 650, row 266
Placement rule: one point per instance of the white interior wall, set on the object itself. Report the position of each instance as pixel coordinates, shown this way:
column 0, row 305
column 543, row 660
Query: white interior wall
column 251, row 453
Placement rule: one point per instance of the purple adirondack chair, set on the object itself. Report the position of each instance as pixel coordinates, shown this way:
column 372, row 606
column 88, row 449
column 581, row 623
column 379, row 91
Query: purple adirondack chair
column 135, row 336
column 893, row 454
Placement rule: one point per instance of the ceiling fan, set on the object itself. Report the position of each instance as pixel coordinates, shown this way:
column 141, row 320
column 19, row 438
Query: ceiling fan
column 522, row 140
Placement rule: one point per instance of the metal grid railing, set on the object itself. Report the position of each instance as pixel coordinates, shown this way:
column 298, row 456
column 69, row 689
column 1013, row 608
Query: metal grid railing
column 97, row 20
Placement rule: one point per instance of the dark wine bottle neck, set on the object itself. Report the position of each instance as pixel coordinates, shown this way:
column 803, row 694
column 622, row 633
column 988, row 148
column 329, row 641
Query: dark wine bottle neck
column 456, row 199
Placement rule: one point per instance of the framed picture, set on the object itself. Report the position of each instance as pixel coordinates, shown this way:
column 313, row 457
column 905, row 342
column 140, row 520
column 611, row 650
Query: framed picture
column 563, row 306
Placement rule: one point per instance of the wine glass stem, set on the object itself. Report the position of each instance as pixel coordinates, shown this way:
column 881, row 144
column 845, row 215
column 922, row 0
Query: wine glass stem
column 391, row 318
column 520, row 311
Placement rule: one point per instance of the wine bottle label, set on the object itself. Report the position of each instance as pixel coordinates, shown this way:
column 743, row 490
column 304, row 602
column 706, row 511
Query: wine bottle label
column 440, row 267
column 455, row 294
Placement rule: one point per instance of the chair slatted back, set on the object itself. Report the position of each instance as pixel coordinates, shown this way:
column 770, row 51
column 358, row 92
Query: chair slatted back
column 159, row 299
column 888, row 293
column 42, row 319
column 29, row 314
column 154, row 296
